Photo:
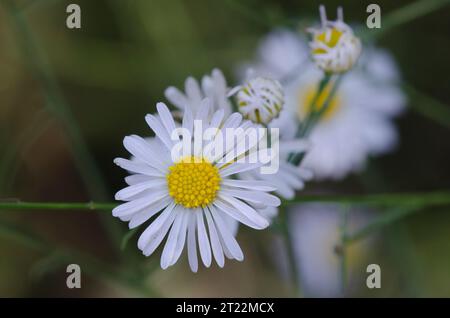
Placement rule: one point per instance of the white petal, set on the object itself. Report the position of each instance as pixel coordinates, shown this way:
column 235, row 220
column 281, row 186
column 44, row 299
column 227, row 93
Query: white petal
column 203, row 112
column 215, row 241
column 232, row 121
column 192, row 243
column 160, row 132
column 155, row 240
column 141, row 149
column 138, row 204
column 137, row 188
column 236, row 214
column 254, row 196
column 155, row 226
column 247, row 210
column 188, row 120
column 192, row 90
column 257, row 185
column 169, row 248
column 138, row 167
column 237, row 167
column 176, row 97
column 141, row 217
column 217, row 118
column 181, row 238
column 232, row 224
column 166, row 118
column 203, row 241
column 137, row 178
column 228, row 240
column 244, row 142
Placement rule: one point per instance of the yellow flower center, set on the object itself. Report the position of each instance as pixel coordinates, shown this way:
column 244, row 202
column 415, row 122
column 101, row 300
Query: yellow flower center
column 307, row 97
column 329, row 37
column 193, row 182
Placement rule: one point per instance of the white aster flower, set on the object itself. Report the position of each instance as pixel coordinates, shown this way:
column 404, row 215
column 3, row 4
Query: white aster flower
column 190, row 198
column 260, row 99
column 212, row 86
column 358, row 122
column 334, row 47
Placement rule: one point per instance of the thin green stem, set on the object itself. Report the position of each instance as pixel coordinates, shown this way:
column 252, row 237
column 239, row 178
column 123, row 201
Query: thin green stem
column 68, row 206
column 383, row 220
column 295, row 275
column 342, row 248
column 419, row 199
column 398, row 199
column 313, row 112
column 9, row 163
column 428, row 106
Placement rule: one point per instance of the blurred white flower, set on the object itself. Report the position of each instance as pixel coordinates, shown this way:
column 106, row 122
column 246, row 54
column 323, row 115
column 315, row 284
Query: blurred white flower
column 358, row 122
column 334, row 47
column 212, row 86
column 260, row 99
column 316, row 232
column 183, row 193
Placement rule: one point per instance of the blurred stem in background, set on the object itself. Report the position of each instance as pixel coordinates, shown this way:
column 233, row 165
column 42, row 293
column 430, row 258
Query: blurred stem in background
column 428, row 106
column 98, row 269
column 57, row 105
column 8, row 163
column 342, row 248
column 283, row 226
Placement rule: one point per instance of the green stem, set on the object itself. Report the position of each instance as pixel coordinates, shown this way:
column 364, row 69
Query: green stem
column 428, row 106
column 418, row 199
column 80, row 206
column 295, row 275
column 343, row 249
column 9, row 163
column 383, row 220
column 398, row 199
column 309, row 122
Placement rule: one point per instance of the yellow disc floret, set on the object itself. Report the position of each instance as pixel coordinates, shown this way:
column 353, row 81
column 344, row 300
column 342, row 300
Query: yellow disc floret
column 193, row 182
column 329, row 37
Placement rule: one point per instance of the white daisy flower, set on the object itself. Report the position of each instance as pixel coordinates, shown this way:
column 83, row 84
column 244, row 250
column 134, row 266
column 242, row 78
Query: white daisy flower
column 212, row 86
column 334, row 47
column 358, row 122
column 183, row 193
column 260, row 99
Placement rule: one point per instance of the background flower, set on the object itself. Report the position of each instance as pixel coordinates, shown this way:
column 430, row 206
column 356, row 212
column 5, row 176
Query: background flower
column 316, row 233
column 358, row 122
column 212, row 86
